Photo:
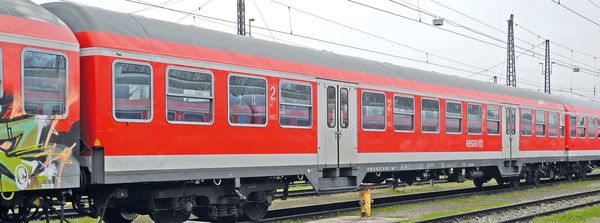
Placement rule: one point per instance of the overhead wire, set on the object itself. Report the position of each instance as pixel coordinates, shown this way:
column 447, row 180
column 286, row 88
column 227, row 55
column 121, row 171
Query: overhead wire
column 576, row 13
column 526, row 82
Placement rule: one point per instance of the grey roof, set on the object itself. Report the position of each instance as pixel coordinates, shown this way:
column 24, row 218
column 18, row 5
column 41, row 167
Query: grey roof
column 29, row 10
column 87, row 18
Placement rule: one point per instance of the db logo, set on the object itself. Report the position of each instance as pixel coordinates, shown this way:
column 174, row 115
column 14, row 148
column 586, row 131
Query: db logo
column 21, row 177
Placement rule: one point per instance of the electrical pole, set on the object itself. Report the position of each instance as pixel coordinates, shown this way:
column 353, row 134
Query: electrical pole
column 241, row 17
column 511, row 74
column 547, row 69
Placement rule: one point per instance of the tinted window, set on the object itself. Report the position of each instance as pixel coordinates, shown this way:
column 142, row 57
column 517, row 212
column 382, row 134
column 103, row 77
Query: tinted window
column 247, row 100
column 373, row 110
column 132, row 86
column 562, row 124
column 540, row 123
column 592, row 128
column 526, row 122
column 295, row 105
column 331, row 106
column 44, row 83
column 493, row 119
column 552, row 124
column 404, row 113
column 344, row 108
column 453, row 117
column 581, row 126
column 430, row 115
column 474, row 119
column 189, row 96
column 573, row 126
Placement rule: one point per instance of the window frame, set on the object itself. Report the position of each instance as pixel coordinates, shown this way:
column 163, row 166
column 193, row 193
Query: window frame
column 481, row 132
column 589, row 118
column 571, row 127
column 562, row 129
column 403, row 113
column 585, row 121
column 597, row 127
column 67, row 77
column 266, row 100
column 421, row 116
column 384, row 111
column 535, row 124
column 212, row 93
column 446, row 117
column 499, row 108
column 521, row 122
column 557, row 115
column 279, row 103
column 151, row 91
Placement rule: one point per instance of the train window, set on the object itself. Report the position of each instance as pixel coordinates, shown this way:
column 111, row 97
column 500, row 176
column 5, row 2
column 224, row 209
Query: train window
column 453, row 117
column 344, row 114
column 591, row 128
column 474, row 119
column 132, row 91
column 573, row 126
column 561, row 118
column 331, row 106
column 189, row 96
column 430, row 115
column 295, row 104
column 493, row 120
column 540, row 123
column 598, row 127
column 44, row 83
column 581, row 127
column 247, row 100
column 526, row 122
column 372, row 111
column 552, row 124
column 404, row 114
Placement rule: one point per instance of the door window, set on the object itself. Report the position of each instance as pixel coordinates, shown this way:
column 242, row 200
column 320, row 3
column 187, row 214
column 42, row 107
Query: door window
column 344, row 115
column 331, row 106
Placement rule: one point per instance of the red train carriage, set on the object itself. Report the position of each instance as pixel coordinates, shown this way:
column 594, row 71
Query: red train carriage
column 39, row 137
column 178, row 119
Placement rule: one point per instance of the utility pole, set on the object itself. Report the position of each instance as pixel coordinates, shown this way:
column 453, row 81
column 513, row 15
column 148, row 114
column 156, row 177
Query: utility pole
column 511, row 74
column 547, row 69
column 241, row 17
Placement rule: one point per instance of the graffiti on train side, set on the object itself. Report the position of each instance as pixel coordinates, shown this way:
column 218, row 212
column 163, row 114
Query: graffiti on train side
column 33, row 153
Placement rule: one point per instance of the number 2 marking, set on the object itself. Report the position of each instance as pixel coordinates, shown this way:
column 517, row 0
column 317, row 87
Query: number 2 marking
column 273, row 90
column 389, row 107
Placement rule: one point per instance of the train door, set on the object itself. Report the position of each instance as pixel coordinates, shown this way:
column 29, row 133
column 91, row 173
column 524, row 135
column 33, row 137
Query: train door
column 510, row 135
column 337, row 124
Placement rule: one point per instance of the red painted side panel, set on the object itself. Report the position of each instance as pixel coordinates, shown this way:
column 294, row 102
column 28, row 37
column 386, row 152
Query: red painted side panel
column 161, row 138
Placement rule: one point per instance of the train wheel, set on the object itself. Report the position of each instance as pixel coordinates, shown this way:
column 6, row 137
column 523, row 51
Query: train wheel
column 500, row 180
column 515, row 182
column 119, row 215
column 170, row 216
column 255, row 211
column 478, row 182
column 535, row 178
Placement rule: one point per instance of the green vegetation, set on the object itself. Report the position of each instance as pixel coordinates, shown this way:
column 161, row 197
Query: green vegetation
column 588, row 214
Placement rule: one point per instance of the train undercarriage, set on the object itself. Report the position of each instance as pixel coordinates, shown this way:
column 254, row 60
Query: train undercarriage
column 230, row 200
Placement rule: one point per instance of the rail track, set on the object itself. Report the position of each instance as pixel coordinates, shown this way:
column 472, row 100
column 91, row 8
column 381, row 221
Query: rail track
column 525, row 211
column 332, row 208
column 336, row 207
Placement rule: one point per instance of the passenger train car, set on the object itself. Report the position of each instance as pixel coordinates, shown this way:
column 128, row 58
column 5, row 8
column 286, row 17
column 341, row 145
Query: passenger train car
column 142, row 116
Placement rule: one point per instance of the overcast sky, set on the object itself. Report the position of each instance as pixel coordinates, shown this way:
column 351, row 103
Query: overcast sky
column 470, row 57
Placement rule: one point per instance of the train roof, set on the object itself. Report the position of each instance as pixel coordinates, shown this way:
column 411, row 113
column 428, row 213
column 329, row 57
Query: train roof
column 87, row 18
column 29, row 10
